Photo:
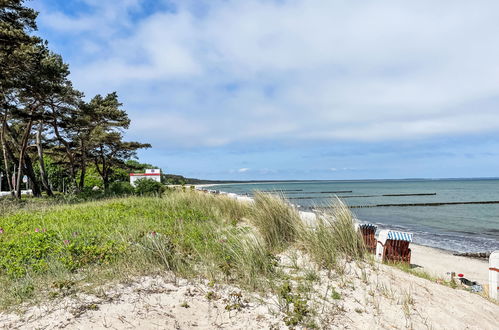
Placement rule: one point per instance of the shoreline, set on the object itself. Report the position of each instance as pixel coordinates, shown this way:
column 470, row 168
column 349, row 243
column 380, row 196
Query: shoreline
column 435, row 261
column 440, row 263
column 430, row 244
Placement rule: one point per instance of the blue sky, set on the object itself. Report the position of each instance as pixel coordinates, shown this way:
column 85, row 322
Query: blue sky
column 293, row 89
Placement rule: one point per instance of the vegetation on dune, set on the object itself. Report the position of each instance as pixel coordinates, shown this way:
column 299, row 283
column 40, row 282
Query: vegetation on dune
column 186, row 232
column 277, row 222
column 44, row 248
column 334, row 237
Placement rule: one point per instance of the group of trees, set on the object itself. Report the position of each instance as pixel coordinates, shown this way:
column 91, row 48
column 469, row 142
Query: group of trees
column 45, row 121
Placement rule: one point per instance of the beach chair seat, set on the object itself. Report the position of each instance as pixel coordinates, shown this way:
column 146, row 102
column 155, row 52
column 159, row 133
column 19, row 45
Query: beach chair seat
column 393, row 246
column 368, row 232
column 397, row 251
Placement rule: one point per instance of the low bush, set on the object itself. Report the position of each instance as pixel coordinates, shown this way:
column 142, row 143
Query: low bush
column 148, row 187
column 121, row 188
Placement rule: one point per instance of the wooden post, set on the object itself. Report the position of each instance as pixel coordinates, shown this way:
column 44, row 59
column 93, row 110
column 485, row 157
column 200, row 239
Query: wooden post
column 494, row 275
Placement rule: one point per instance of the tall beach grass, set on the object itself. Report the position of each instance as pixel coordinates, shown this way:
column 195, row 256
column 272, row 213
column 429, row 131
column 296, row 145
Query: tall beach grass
column 334, row 237
column 53, row 250
column 277, row 222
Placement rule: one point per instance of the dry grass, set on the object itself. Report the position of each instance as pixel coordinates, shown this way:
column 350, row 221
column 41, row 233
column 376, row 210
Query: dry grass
column 334, row 238
column 277, row 222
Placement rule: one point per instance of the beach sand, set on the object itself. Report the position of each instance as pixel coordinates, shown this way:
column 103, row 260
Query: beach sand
column 436, row 262
column 369, row 296
column 440, row 262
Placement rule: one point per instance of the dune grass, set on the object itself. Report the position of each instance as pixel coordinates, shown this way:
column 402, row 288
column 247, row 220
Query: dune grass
column 276, row 221
column 181, row 231
column 56, row 250
column 333, row 238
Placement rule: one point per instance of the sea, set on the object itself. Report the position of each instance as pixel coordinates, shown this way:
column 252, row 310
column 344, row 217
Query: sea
column 417, row 206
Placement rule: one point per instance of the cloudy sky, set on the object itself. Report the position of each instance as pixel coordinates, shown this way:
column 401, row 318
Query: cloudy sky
column 294, row 89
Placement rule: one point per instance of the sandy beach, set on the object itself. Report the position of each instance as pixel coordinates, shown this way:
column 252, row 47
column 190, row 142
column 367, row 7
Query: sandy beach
column 363, row 295
column 440, row 262
column 367, row 296
column 436, row 262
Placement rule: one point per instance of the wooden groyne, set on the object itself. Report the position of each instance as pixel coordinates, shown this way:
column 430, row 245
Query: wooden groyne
column 323, row 192
column 283, row 190
column 424, row 204
column 396, row 195
column 476, row 255
column 363, row 196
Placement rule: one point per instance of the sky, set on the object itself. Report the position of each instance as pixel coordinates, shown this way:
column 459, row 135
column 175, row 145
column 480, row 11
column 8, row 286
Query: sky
column 293, row 89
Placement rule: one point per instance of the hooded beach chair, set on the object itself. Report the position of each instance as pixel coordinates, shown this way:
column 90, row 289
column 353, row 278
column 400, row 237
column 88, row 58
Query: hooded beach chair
column 368, row 231
column 393, row 246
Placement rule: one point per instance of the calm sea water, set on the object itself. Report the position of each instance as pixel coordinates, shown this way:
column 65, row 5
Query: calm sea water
column 462, row 228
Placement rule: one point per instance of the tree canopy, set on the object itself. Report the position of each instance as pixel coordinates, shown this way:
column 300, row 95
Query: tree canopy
column 45, row 123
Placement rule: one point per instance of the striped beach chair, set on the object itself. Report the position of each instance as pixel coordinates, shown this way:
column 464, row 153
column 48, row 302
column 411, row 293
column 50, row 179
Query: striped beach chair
column 368, row 232
column 393, row 246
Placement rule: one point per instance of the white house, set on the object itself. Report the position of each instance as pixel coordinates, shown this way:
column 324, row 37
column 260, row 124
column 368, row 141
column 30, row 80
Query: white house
column 150, row 174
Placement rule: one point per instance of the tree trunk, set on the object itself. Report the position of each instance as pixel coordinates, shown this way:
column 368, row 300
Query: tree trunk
column 72, row 162
column 104, row 172
column 22, row 152
column 83, row 165
column 5, row 156
column 43, row 173
column 106, row 182
column 30, row 173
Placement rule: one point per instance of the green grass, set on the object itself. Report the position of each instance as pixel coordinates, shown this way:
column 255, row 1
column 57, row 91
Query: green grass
column 186, row 232
column 56, row 248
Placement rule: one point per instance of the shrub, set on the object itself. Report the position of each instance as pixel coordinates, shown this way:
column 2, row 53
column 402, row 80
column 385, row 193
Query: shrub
column 148, row 187
column 121, row 188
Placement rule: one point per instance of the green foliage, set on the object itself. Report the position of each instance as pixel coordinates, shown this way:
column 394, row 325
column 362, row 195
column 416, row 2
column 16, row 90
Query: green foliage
column 121, row 188
column 55, row 172
column 92, row 178
column 335, row 294
column 148, row 187
column 294, row 305
column 135, row 166
column 36, row 94
column 80, row 252
column 173, row 179
column 27, row 253
column 56, row 250
column 187, row 233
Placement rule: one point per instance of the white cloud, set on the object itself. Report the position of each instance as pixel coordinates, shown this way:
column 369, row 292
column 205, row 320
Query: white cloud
column 301, row 69
column 243, row 170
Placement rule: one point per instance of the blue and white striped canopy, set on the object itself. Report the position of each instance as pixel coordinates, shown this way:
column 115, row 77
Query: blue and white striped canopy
column 400, row 236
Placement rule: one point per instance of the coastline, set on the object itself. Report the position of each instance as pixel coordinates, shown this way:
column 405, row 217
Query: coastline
column 440, row 263
column 355, row 295
column 435, row 261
